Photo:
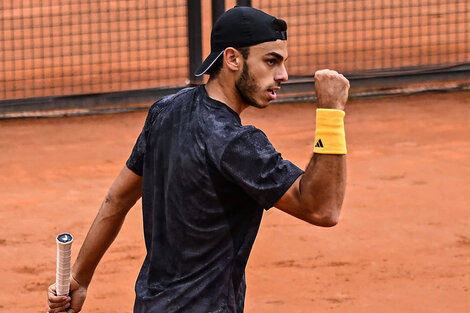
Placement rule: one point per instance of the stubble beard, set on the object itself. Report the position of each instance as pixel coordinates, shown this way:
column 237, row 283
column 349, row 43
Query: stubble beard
column 247, row 87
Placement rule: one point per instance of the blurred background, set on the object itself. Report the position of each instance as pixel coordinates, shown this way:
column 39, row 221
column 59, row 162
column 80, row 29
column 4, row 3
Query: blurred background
column 62, row 54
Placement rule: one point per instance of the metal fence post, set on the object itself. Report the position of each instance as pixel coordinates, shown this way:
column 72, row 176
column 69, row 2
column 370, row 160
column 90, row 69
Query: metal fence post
column 194, row 39
column 244, row 3
column 218, row 8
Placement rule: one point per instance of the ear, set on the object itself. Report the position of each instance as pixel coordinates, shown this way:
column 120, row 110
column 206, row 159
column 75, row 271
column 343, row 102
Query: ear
column 232, row 59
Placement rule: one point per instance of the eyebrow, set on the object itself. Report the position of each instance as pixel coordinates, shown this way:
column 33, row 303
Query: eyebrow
column 276, row 55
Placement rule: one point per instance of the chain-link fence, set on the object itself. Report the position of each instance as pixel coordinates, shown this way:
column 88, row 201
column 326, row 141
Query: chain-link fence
column 70, row 47
column 64, row 47
column 361, row 35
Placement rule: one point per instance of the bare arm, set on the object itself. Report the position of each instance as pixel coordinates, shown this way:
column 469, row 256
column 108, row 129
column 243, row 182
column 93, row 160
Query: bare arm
column 123, row 194
column 317, row 195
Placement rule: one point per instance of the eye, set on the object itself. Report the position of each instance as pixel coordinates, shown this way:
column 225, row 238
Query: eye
column 271, row 61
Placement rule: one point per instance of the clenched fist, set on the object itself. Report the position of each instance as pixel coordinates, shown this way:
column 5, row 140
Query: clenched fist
column 331, row 89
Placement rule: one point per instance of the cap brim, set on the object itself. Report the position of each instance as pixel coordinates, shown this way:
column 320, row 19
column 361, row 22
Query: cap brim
column 208, row 62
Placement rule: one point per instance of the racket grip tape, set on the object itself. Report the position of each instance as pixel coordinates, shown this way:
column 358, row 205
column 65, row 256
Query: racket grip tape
column 64, row 253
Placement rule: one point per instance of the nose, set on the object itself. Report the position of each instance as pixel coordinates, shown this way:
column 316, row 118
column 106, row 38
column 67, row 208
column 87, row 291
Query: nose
column 281, row 75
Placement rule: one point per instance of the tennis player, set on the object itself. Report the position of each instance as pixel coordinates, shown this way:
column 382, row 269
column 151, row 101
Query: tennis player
column 205, row 179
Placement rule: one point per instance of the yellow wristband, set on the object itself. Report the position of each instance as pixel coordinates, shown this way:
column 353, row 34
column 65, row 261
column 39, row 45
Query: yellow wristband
column 329, row 134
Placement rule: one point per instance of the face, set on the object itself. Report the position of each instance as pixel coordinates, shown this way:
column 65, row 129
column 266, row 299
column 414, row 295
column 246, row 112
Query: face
column 262, row 74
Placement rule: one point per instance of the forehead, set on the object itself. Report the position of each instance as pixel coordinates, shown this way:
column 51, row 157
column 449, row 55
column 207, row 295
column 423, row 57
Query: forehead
column 278, row 46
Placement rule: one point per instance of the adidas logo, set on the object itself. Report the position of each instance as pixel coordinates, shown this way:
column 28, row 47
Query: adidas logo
column 319, row 144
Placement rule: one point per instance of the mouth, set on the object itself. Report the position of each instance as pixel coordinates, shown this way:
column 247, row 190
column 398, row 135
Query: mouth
column 272, row 92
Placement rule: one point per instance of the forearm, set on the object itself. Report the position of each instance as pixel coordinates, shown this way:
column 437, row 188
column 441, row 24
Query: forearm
column 102, row 233
column 323, row 185
column 317, row 196
column 322, row 188
column 123, row 194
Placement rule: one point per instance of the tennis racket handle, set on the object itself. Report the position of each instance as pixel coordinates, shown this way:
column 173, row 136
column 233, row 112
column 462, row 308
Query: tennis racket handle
column 64, row 253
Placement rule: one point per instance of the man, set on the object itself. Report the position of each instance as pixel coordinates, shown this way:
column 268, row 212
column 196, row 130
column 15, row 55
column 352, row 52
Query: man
column 205, row 179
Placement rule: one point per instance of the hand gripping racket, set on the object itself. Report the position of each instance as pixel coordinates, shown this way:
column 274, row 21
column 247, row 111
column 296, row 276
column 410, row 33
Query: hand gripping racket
column 64, row 253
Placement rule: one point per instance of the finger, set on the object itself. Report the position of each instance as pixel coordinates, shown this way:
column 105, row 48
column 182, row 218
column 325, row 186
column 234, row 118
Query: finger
column 60, row 309
column 55, row 305
column 51, row 290
column 319, row 73
column 55, row 299
column 52, row 298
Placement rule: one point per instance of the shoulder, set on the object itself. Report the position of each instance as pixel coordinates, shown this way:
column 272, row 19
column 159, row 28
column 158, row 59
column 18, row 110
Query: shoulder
column 167, row 101
column 236, row 139
column 248, row 138
column 185, row 92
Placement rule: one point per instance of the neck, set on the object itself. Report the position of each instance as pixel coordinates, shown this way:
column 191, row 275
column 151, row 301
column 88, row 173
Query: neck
column 225, row 92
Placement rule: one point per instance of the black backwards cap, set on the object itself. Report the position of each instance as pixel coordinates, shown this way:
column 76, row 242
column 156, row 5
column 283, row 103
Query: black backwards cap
column 242, row 27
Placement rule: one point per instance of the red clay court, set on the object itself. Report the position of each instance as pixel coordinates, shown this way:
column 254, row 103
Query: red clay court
column 403, row 240
column 402, row 243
